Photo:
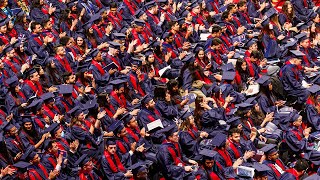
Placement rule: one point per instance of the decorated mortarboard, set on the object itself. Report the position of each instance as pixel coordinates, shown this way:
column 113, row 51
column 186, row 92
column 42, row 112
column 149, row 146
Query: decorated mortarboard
column 65, row 89
column 150, row 4
column 234, row 121
column 269, row 149
column 139, row 13
column 314, row 88
column 136, row 61
column 189, row 58
column 21, row 165
column 74, row 112
column 119, row 36
column 228, row 67
column 219, row 140
column 4, row 21
column 137, row 167
column 116, row 127
column 35, row 105
column 297, row 53
column 7, row 49
column 82, row 160
column 228, row 75
column 261, row 169
column 250, row 42
column 264, row 80
column 112, row 65
column 126, row 118
column 114, row 45
column 13, row 81
column 146, row 99
column 207, row 153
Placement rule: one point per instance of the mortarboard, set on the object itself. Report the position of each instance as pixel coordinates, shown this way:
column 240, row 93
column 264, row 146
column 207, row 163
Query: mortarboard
column 139, row 22
column 95, row 17
column 250, row 42
column 303, row 26
column 181, row 21
column 261, row 169
column 244, row 106
column 188, row 59
column 271, row 70
column 271, row 12
column 35, row 105
column 26, row 118
column 116, row 127
column 251, row 100
column 313, row 157
column 110, row 141
column 234, row 121
column 169, row 130
column 269, row 149
column 264, row 80
column 119, row 36
column 293, row 116
column 72, row 3
column 162, row 1
column 219, row 140
column 6, row 126
column 290, row 43
column 83, row 68
column 87, row 25
column 207, row 153
column 165, row 35
column 28, row 154
column 16, row 44
column 194, row 4
column 76, row 111
column 112, row 65
column 21, row 165
column 137, row 167
column 82, row 160
column 118, row 83
column 114, row 45
column 312, row 15
column 47, row 143
column 12, row 82
column 232, row 111
column 228, row 75
column 300, row 36
column 47, row 97
column 65, row 89
column 4, row 21
column 148, row 52
column 297, row 53
column 314, row 88
column 126, row 118
column 139, row 13
column 150, row 4
column 7, row 49
column 30, row 71
column 94, row 52
column 136, row 61
column 185, row 115
column 228, row 67
column 146, row 99
column 54, row 127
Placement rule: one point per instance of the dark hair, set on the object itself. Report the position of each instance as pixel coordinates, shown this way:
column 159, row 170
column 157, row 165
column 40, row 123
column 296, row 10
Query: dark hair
column 301, row 165
column 225, row 15
column 234, row 131
column 241, row 3
column 64, row 40
column 216, row 28
column 160, row 93
column 33, row 25
column 113, row 5
column 216, row 41
column 256, row 54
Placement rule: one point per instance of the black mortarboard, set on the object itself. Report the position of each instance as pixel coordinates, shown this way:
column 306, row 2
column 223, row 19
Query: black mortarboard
column 119, row 36
column 114, row 45
column 28, row 154
column 12, row 82
column 139, row 22
column 112, row 65
column 219, row 140
column 74, row 112
column 139, row 13
column 312, row 15
column 126, row 118
column 294, row 116
column 6, row 126
column 290, row 43
column 18, row 12
column 95, row 17
column 314, row 88
column 137, row 167
column 17, row 44
column 65, row 89
column 261, row 169
column 35, row 105
column 269, row 149
column 300, row 36
column 169, row 130
column 82, row 160
column 244, row 106
column 54, row 127
column 93, row 53
column 264, row 80
column 21, row 165
column 87, row 25
column 7, row 48
column 26, row 118
column 297, row 53
column 47, row 143
column 250, row 42
column 162, row 1
column 207, row 153
column 228, row 75
column 234, row 121
column 148, row 52
column 150, row 4
column 83, row 68
column 165, row 35
column 118, row 83
column 271, row 12
column 146, row 99
column 4, row 21
column 116, row 127
column 185, row 115
column 136, row 61
column 181, row 21
column 189, row 58
column 228, row 67
column 47, row 97
column 194, row 4
column 251, row 100
column 72, row 3
column 303, row 26
column 110, row 141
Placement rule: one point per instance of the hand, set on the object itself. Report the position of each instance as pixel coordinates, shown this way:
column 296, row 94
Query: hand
column 204, row 134
column 240, row 30
column 143, row 132
column 59, row 160
column 83, row 10
column 134, row 112
column 281, row 37
column 18, row 156
column 87, row 89
column 179, row 5
column 120, row 110
column 13, row 40
column 193, row 162
column 133, row 146
column 56, row 118
column 74, row 22
column 24, row 67
column 262, row 6
column 128, row 174
column 229, row 99
column 52, row 89
column 10, row 117
column 140, row 148
column 50, row 39
column 45, row 136
column 248, row 154
column 237, row 163
column 212, row 13
column 182, row 55
column 168, row 56
column 53, row 174
column 74, row 145
column 63, row 34
column 261, row 130
column 205, row 105
column 262, row 138
column 188, row 168
column 7, row 170
column 101, row 114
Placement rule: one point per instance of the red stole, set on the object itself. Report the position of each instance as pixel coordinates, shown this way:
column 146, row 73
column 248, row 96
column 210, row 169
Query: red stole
column 234, row 149
column 293, row 172
column 154, row 17
column 122, row 148
column 199, row 19
column 121, row 100
column 136, row 85
column 296, row 133
column 114, row 167
column 36, row 175
column 250, row 67
column 60, row 146
column 236, row 20
column 176, row 156
column 38, row 40
column 4, row 39
column 99, row 67
column 82, row 175
column 132, row 7
column 131, row 133
column 99, row 32
column 7, row 61
column 225, row 155
column 35, row 86
column 64, row 62
column 113, row 59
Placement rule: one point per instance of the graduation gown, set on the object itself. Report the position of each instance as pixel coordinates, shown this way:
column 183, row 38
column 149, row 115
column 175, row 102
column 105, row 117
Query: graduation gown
column 295, row 140
column 37, row 171
column 168, row 110
column 313, row 117
column 112, row 166
column 290, row 174
column 276, row 168
column 189, row 141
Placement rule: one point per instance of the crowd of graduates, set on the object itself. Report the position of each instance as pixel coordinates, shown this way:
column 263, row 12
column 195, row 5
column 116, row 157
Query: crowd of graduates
column 159, row 90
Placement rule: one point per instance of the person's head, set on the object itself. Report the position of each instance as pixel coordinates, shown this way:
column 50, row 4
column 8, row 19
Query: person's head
column 3, row 3
column 173, row 86
column 242, row 6
column 12, row 130
column 188, row 17
column 98, row 57
column 241, row 65
column 113, row 8
column 36, row 27
column 232, row 8
column 34, row 158
column 226, row 16
column 174, row 25
column 47, row 24
column 305, row 43
column 3, row 29
column 80, row 41
column 27, row 125
column 287, row 8
column 172, row 134
column 153, row 9
column 60, row 50
column 200, row 54
column 52, row 147
column 235, row 134
column 111, row 146
column 169, row 39
column 255, row 56
column 58, row 132
column 216, row 31
column 297, row 120
column 34, row 76
column 196, row 9
column 149, row 103
column 69, row 78
column 301, row 166
column 160, row 93
column 216, row 43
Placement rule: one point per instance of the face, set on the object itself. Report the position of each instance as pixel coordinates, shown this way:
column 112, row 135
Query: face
column 297, row 61
column 3, row 29
column 10, row 54
column 151, row 104
column 176, row 27
column 111, row 149
column 48, row 25
column 113, row 11
column 79, row 41
column 298, row 122
column 174, row 137
column 122, row 133
column 13, row 131
column 270, row 87
column 35, row 77
column 121, row 90
column 168, row 97
column 305, row 43
column 189, row 17
column 196, row 10
column 209, row 163
column 243, row 8
column 151, row 58
column 61, row 51
column 133, row 123
column 81, row 116
column 17, row 89
column 36, row 159
column 244, row 66
column 38, row 29
column 257, row 107
column 28, row 126
column 58, row 133
column 139, row 28
column 273, row 156
column 175, row 88
column 88, row 166
column 289, row 8
column 253, row 47
column 201, row 54
column 191, row 120
column 235, row 137
column 54, row 147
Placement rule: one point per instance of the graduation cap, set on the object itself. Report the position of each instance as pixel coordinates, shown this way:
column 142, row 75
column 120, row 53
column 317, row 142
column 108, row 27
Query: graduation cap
column 163, row 2
column 139, row 13
column 264, row 80
column 47, row 143
column 297, row 53
column 21, row 165
column 30, row 71
column 4, row 21
column 150, row 4
column 136, row 61
column 126, row 118
column 303, row 26
column 139, row 22
column 116, row 127
column 146, row 99
column 228, row 75
column 207, row 153
column 110, row 141
column 26, row 118
column 272, row 11
column 114, row 45
column 112, row 65
column 83, row 68
column 185, row 115
column 269, row 149
column 300, row 36
column 35, row 105
column 314, row 89
column 234, row 121
column 169, row 130
column 29, row 154
column 250, row 42
column 72, row 3
column 12, row 82
column 95, row 17
column 137, row 167
column 189, row 58
column 87, row 25
column 251, row 100
column 181, row 21
column 228, row 67
column 119, row 36
column 7, row 126
column 271, row 70
column 94, row 52
column 194, row 4
column 293, row 116
column 47, row 97
column 18, row 12
column 260, row 169
column 65, row 89
column 165, row 35
column 118, row 83
column 82, row 160
column 7, row 49
column 17, row 44
column 76, row 111
column 219, row 140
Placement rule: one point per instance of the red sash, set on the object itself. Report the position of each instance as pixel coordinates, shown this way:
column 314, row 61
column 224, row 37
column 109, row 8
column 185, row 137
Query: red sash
column 114, row 167
column 120, row 100
column 131, row 133
column 132, row 7
column 174, row 156
column 250, row 67
column 154, row 17
column 113, row 59
column 216, row 10
column 236, row 20
column 135, row 85
column 38, row 40
column 296, row 134
column 36, row 175
column 52, row 161
column 64, row 62
column 35, row 86
column 7, row 61
column 99, row 67
column 234, row 149
column 96, row 28
column 192, row 134
column 4, row 39
column 293, row 172
column 39, row 123
column 225, row 155
column 123, row 149
column 48, row 111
